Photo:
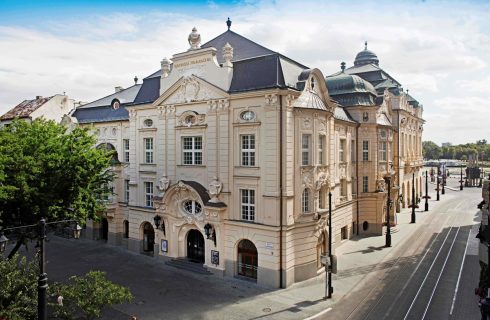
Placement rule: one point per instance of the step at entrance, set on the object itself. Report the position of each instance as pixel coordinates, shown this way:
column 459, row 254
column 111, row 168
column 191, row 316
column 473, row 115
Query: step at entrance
column 185, row 264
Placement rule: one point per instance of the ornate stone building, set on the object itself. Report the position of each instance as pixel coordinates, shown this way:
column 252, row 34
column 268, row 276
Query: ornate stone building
column 229, row 151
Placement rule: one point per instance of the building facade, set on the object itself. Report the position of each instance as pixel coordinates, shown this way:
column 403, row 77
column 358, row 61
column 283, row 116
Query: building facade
column 228, row 154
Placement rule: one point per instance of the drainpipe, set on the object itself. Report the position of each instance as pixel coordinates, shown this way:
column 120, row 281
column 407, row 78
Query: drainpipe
column 280, row 192
column 357, row 176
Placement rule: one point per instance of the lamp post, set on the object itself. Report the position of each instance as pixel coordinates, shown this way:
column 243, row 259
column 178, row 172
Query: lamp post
column 461, row 179
column 330, row 256
column 388, row 226
column 437, row 188
column 413, row 198
column 426, row 191
column 42, row 282
column 443, row 171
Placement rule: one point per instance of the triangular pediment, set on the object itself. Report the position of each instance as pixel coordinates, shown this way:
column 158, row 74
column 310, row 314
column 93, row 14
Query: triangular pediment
column 190, row 89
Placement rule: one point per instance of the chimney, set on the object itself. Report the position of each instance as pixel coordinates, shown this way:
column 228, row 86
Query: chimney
column 118, row 89
column 39, row 97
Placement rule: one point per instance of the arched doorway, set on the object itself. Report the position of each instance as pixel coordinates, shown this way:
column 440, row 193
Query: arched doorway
column 148, row 237
column 104, row 235
column 247, row 259
column 195, row 246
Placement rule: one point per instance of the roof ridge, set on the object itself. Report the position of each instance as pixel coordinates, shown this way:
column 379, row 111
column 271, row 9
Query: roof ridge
column 239, row 35
column 83, row 106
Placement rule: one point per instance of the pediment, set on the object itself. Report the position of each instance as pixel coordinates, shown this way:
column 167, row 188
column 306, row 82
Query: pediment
column 190, row 89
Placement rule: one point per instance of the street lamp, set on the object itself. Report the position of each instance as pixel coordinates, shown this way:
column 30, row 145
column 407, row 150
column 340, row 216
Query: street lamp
column 42, row 282
column 443, row 172
column 413, row 205
column 157, row 219
column 210, row 233
column 388, row 204
column 437, row 188
column 330, row 287
column 427, row 197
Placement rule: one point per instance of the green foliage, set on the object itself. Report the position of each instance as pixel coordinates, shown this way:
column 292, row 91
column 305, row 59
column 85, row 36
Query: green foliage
column 87, row 295
column 46, row 169
column 432, row 151
column 18, row 288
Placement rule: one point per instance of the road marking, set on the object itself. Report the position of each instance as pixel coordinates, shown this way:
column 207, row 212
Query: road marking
column 459, row 276
column 426, row 275
column 440, row 274
column 318, row 314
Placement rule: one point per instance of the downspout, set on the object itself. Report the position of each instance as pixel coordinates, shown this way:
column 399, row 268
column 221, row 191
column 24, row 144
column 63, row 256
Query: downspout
column 280, row 192
column 357, row 176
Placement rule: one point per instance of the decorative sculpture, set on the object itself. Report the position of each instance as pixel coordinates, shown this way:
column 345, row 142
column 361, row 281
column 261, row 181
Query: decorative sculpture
column 194, row 39
column 163, row 184
column 215, row 187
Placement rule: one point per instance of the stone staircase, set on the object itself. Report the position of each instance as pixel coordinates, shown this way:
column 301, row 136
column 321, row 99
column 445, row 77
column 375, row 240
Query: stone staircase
column 184, row 264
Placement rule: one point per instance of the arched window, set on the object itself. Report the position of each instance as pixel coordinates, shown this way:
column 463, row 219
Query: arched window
column 305, row 201
column 192, row 207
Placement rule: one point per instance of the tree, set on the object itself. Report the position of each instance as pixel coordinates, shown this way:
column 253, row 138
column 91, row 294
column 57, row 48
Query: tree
column 45, row 170
column 87, row 295
column 18, row 288
column 431, row 150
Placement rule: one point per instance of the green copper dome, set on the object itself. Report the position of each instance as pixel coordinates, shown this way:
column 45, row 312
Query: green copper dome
column 366, row 57
column 351, row 90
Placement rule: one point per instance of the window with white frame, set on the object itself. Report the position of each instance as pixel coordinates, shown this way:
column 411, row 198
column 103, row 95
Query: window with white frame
column 126, row 150
column 192, row 207
column 192, row 150
column 365, row 150
column 342, row 150
column 382, row 151
column 148, row 142
column 248, row 204
column 321, row 149
column 248, row 150
column 305, row 201
column 149, row 194
column 126, row 191
column 305, row 149
column 365, row 184
column 353, row 150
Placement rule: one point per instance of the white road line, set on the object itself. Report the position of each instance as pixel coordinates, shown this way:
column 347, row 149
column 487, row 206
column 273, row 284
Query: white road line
column 318, row 314
column 459, row 276
column 426, row 275
column 440, row 274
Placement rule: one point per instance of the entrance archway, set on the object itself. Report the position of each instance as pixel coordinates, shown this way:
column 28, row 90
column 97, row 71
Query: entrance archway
column 105, row 230
column 247, row 259
column 195, row 246
column 148, row 237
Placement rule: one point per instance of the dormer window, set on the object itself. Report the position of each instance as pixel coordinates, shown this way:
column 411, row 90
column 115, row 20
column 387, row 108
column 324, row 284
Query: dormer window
column 192, row 207
column 115, row 104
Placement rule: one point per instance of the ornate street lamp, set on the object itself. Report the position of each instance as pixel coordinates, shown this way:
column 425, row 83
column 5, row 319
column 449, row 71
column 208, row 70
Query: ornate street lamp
column 413, row 205
column 210, row 233
column 461, row 179
column 443, row 172
column 388, row 205
column 157, row 219
column 426, row 197
column 330, row 287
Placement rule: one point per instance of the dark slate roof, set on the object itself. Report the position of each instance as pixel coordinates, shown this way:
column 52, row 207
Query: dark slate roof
column 149, row 92
column 351, row 90
column 203, row 194
column 341, row 114
column 25, row 108
column 243, row 48
column 101, row 114
column 411, row 100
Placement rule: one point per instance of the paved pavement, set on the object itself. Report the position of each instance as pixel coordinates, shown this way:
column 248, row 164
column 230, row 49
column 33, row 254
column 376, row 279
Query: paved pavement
column 369, row 275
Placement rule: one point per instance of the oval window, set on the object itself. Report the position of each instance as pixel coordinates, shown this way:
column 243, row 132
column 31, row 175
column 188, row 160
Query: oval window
column 148, row 123
column 116, row 104
column 247, row 115
column 192, row 207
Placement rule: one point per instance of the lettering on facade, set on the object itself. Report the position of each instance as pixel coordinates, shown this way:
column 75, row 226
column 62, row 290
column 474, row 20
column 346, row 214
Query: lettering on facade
column 191, row 62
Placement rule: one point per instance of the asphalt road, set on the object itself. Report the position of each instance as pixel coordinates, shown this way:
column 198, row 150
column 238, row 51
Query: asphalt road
column 435, row 272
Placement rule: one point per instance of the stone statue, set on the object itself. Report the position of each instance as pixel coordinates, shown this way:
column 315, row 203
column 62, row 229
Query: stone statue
column 163, row 184
column 227, row 51
column 194, row 39
column 165, row 67
column 380, row 185
column 215, row 189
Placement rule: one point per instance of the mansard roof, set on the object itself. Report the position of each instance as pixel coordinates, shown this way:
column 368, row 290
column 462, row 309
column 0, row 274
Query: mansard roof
column 351, row 90
column 124, row 96
column 25, row 108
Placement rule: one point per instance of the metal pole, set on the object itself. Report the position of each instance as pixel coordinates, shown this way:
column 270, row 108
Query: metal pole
column 426, row 190
column 330, row 256
column 413, row 198
column 461, row 180
column 388, row 226
column 42, row 283
column 443, row 171
column 437, row 189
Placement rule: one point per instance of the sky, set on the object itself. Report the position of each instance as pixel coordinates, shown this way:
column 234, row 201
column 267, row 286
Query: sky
column 438, row 50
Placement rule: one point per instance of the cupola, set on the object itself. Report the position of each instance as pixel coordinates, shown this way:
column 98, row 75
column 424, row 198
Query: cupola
column 366, row 57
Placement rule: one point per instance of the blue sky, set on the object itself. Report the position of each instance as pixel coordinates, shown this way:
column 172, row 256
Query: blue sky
column 439, row 50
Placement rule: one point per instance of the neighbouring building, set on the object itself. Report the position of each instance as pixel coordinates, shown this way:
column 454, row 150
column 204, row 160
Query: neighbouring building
column 50, row 108
column 229, row 151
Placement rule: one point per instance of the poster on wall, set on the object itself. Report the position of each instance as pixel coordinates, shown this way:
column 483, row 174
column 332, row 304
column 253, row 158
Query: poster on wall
column 164, row 246
column 214, row 257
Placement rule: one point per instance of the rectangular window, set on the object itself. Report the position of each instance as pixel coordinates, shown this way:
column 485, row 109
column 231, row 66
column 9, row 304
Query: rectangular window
column 126, row 150
column 305, row 150
column 365, row 150
column 321, row 149
column 126, row 191
column 192, row 150
column 342, row 150
column 149, row 194
column 365, row 184
column 382, row 151
column 248, row 150
column 248, row 204
column 148, row 142
column 353, row 150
